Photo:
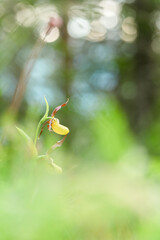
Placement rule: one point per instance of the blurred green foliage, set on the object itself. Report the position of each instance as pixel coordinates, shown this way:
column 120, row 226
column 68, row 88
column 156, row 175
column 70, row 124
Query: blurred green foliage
column 112, row 125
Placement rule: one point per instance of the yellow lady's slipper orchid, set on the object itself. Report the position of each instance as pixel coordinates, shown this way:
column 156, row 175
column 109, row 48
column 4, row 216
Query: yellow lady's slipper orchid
column 58, row 128
column 53, row 123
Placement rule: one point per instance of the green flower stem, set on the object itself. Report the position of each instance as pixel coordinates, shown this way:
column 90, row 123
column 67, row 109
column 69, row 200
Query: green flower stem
column 37, row 132
column 39, row 127
column 43, row 119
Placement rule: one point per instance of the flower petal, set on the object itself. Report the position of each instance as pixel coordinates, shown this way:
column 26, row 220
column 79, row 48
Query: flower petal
column 59, row 107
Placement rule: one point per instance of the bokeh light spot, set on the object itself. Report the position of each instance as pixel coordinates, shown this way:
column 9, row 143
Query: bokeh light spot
column 78, row 27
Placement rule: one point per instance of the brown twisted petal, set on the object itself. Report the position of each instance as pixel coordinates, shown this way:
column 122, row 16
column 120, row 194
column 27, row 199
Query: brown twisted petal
column 44, row 124
column 59, row 107
column 57, row 144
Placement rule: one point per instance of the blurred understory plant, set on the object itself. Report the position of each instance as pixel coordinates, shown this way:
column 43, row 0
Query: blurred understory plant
column 53, row 125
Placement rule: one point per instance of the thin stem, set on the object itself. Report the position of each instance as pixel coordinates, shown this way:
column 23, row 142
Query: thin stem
column 39, row 127
column 26, row 71
column 37, row 132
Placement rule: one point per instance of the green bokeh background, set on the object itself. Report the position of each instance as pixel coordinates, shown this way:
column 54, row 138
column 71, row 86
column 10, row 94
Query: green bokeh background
column 109, row 187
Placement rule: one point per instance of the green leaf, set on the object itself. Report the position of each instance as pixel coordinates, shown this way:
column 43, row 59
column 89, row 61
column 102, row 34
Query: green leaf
column 23, row 134
column 29, row 141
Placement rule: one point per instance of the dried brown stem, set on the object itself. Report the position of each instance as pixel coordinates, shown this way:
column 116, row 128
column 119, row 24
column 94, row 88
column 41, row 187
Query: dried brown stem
column 28, row 66
column 25, row 74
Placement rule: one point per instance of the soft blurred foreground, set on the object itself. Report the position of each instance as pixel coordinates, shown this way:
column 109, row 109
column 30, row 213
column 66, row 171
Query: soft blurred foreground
column 91, row 199
column 105, row 56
